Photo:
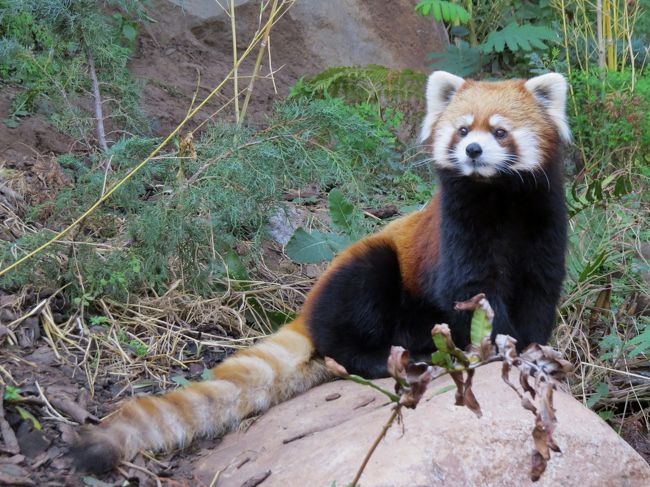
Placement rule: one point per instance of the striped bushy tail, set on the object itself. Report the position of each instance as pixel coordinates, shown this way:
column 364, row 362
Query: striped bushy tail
column 249, row 382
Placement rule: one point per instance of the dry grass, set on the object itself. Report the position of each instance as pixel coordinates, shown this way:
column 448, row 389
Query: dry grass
column 608, row 306
column 142, row 342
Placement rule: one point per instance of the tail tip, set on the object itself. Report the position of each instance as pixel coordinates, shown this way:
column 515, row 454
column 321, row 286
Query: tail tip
column 94, row 452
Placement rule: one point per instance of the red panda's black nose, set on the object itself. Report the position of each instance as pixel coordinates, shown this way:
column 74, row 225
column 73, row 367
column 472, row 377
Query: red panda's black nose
column 473, row 150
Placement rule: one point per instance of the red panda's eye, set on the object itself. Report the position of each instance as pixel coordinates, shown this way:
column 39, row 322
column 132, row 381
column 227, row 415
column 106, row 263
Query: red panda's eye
column 463, row 131
column 500, row 133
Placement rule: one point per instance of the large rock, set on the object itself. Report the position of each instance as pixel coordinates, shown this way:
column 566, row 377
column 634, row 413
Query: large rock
column 315, row 440
column 338, row 32
column 189, row 49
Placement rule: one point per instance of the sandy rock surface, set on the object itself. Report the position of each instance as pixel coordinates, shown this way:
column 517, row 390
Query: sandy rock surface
column 322, row 436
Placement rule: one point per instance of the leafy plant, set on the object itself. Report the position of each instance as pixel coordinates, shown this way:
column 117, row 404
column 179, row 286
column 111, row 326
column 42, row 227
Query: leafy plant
column 394, row 96
column 540, row 362
column 641, row 343
column 610, row 119
column 12, row 393
column 598, row 191
column 460, row 59
column 517, row 38
column 499, row 36
column 441, row 10
column 162, row 227
column 317, row 246
column 52, row 49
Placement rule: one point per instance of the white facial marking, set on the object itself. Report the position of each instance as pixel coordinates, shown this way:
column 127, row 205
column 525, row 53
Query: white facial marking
column 465, row 121
column 487, row 164
column 441, row 142
column 499, row 122
column 528, row 150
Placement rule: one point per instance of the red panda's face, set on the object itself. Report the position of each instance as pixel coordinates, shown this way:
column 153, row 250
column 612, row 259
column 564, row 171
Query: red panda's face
column 485, row 129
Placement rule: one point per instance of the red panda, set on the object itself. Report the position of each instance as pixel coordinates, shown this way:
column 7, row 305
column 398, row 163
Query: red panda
column 497, row 225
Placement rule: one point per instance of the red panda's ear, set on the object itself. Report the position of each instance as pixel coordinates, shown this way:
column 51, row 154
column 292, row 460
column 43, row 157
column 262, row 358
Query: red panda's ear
column 550, row 91
column 440, row 90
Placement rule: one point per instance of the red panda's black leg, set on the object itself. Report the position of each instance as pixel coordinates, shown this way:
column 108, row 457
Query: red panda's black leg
column 354, row 314
column 534, row 311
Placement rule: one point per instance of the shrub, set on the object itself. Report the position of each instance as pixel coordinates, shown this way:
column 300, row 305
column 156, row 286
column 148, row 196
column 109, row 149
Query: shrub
column 45, row 48
column 181, row 218
column 610, row 119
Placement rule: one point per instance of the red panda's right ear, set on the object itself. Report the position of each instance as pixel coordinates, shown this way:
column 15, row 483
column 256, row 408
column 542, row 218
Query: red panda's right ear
column 440, row 89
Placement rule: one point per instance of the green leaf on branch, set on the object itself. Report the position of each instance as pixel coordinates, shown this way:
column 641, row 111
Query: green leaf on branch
column 443, row 359
column 602, row 389
column 481, row 326
column 441, row 343
column 444, row 343
column 641, row 343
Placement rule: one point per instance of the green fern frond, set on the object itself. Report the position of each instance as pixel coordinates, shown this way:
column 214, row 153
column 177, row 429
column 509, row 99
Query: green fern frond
column 462, row 60
column 518, row 37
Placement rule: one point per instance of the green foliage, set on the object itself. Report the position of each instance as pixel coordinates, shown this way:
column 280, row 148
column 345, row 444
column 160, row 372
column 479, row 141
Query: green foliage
column 481, row 326
column 358, row 84
column 611, row 119
column 445, row 11
column 602, row 389
column 517, row 38
column 462, row 59
column 163, row 226
column 45, row 49
column 394, row 96
column 598, row 191
column 641, row 343
column 317, row 246
column 12, row 393
column 344, row 216
column 415, row 186
column 500, row 36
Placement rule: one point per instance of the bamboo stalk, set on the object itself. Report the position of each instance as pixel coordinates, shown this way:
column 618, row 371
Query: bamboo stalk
column 233, row 28
column 565, row 31
column 258, row 63
column 589, row 31
column 599, row 25
column 626, row 35
column 607, row 19
column 616, row 36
